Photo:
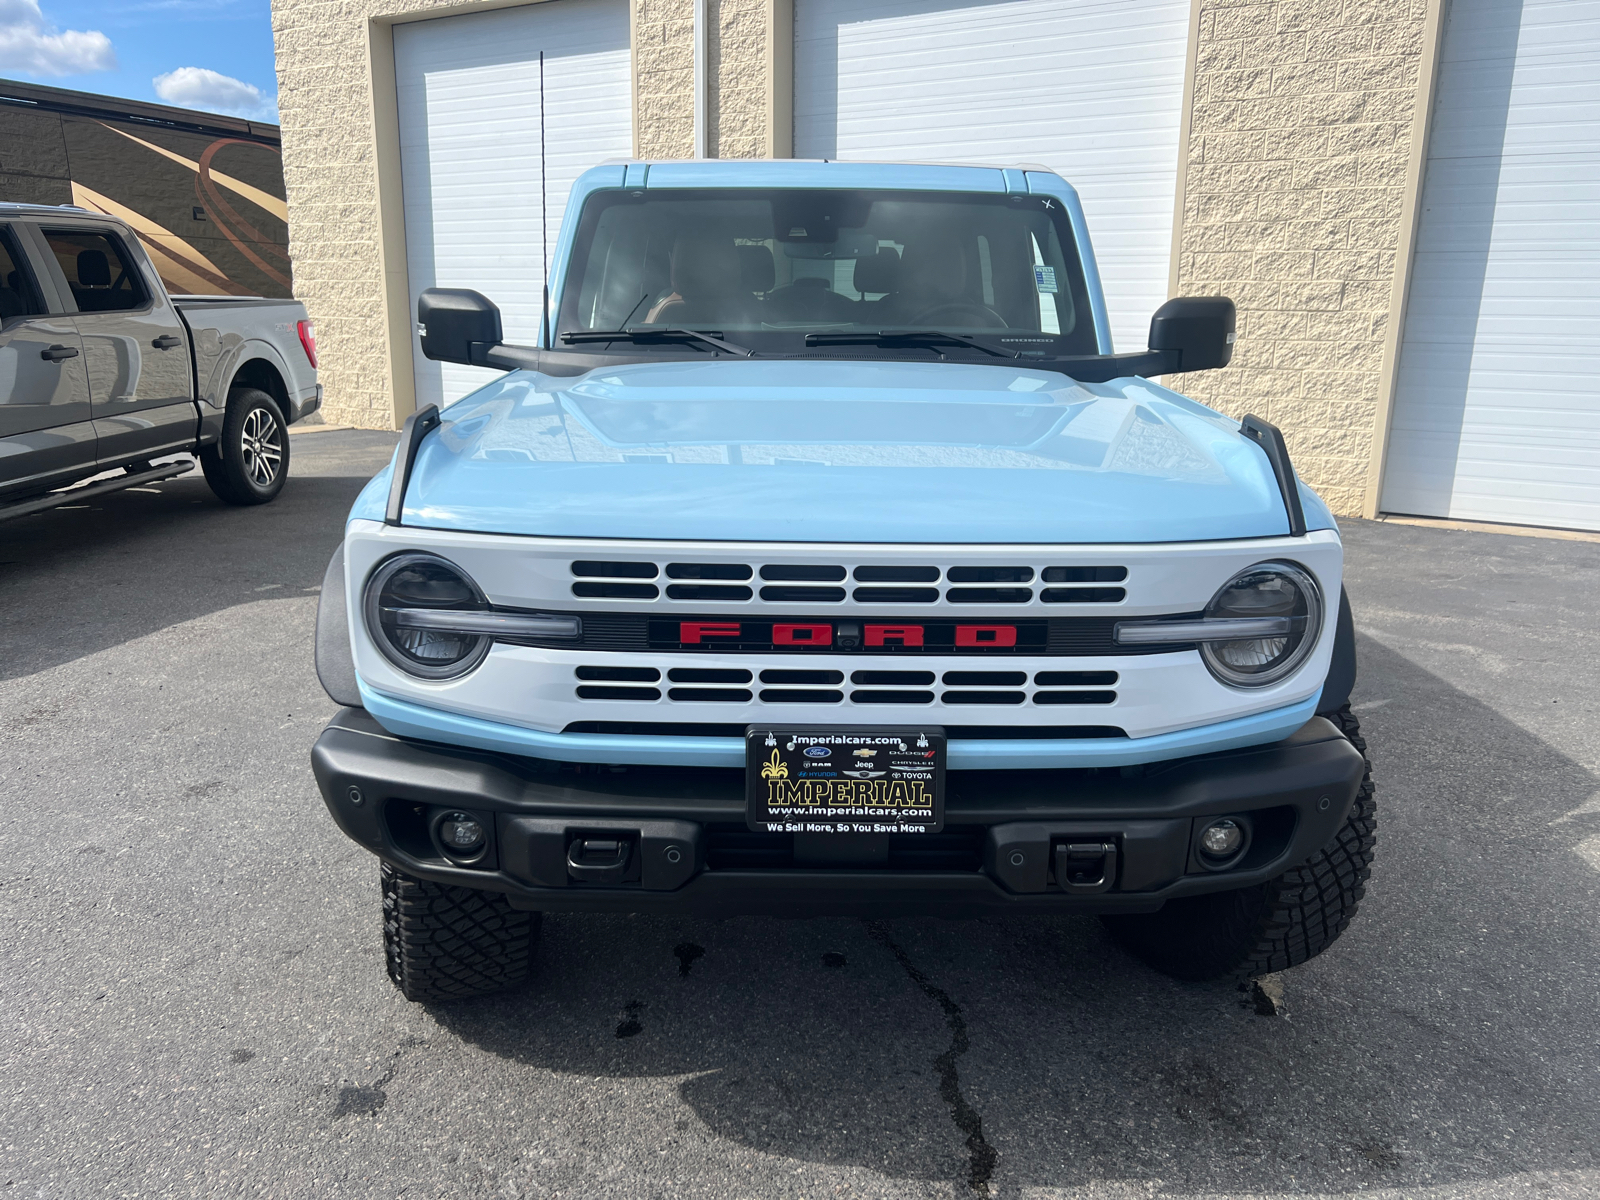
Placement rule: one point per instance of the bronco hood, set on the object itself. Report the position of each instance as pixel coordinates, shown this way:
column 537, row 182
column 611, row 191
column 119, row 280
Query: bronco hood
column 830, row 451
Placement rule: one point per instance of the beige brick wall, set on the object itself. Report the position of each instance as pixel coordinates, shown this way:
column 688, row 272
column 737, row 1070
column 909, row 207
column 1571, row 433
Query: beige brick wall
column 1294, row 203
column 332, row 149
column 325, row 97
column 739, row 70
column 663, row 73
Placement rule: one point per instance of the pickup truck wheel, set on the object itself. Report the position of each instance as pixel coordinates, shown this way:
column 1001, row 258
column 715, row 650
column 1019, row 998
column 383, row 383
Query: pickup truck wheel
column 1271, row 927
column 450, row 943
column 249, row 463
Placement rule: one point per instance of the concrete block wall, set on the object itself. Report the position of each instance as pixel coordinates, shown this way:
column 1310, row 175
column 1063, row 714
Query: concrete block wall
column 1294, row 196
column 663, row 75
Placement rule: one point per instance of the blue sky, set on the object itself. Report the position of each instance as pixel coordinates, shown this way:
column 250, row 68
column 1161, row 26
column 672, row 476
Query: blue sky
column 209, row 54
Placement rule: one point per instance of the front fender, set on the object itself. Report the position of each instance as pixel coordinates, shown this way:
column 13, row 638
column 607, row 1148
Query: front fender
column 336, row 668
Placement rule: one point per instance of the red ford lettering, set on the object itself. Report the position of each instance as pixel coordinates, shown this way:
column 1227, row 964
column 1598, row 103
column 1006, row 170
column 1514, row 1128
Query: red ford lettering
column 692, row 633
column 986, row 636
column 802, row 635
column 894, row 635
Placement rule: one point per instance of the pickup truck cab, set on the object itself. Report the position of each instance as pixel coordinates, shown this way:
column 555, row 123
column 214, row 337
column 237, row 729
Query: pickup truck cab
column 824, row 557
column 101, row 370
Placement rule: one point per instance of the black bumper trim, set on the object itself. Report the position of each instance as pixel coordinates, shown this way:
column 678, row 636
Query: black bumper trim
column 1298, row 790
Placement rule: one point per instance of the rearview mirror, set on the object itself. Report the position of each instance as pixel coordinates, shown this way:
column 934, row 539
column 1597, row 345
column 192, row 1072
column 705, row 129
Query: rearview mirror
column 458, row 325
column 1194, row 332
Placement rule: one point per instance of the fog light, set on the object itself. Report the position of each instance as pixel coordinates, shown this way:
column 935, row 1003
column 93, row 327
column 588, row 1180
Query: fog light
column 1221, row 839
column 461, row 834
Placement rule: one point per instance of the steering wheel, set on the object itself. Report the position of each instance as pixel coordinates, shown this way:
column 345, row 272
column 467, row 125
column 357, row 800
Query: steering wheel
column 987, row 317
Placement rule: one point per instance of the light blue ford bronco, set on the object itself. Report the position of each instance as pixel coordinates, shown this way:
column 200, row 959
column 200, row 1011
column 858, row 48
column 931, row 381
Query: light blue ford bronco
column 823, row 558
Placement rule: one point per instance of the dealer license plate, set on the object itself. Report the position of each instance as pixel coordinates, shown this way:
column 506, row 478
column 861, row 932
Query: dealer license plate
column 811, row 779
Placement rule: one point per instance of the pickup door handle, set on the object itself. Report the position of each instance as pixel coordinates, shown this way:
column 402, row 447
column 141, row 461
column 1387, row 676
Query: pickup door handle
column 166, row 342
column 57, row 353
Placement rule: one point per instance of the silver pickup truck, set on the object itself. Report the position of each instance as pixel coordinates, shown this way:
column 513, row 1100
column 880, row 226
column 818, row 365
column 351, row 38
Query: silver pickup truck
column 102, row 371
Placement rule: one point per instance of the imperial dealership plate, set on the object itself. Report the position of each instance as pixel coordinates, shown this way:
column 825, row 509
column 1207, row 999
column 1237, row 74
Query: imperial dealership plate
column 820, row 779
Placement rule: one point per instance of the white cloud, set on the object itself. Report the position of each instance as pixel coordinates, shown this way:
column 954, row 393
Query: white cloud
column 211, row 91
column 28, row 44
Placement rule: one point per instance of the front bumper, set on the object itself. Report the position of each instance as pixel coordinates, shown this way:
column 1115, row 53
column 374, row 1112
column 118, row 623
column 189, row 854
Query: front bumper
column 1005, row 831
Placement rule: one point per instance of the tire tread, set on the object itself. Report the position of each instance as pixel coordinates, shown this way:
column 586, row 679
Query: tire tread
column 452, row 943
column 1274, row 926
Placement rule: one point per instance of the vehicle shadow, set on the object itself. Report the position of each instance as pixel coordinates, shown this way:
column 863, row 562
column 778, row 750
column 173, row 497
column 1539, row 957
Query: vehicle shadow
column 1446, row 1040
column 75, row 581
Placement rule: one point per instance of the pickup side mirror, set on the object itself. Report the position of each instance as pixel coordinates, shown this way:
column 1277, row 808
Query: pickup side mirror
column 458, row 325
column 1195, row 331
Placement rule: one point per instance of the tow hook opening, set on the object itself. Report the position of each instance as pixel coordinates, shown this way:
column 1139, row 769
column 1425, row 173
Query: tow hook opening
column 600, row 858
column 1085, row 867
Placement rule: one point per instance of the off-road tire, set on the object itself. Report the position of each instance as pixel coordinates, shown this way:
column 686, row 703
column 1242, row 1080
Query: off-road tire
column 250, row 461
column 1273, row 926
column 451, row 943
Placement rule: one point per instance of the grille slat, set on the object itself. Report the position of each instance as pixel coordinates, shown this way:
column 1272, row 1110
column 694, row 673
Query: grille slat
column 620, row 674
column 708, row 695
column 802, row 572
column 707, row 571
column 892, row 678
column 616, row 591
column 1074, row 697
column 801, row 696
column 829, row 677
column 1085, row 574
column 986, row 678
column 989, row 575
column 896, row 595
column 708, row 675
column 595, row 692
column 791, row 594
column 614, row 570
column 896, row 574
column 707, row 591
column 982, row 698
column 991, row 595
column 1067, row 595
column 891, row 697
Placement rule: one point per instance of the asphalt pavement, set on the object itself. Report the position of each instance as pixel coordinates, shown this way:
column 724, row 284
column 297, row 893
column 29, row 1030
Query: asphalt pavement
column 193, row 1000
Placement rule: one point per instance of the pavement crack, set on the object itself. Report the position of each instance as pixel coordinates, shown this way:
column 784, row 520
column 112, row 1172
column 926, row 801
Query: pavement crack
column 981, row 1157
column 366, row 1101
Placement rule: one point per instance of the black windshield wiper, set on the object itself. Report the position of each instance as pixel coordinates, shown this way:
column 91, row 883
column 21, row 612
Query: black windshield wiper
column 645, row 333
column 891, row 336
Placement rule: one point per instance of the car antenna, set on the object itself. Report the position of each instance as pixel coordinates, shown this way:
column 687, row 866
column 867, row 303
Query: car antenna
column 544, row 221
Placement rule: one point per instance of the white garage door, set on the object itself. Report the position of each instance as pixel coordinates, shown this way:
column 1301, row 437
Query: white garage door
column 1497, row 402
column 1090, row 88
column 470, row 154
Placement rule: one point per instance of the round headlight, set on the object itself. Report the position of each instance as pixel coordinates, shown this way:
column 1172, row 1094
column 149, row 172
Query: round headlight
column 401, row 594
column 1269, row 589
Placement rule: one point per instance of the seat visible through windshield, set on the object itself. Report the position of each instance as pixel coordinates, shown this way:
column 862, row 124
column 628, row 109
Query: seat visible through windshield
column 784, row 263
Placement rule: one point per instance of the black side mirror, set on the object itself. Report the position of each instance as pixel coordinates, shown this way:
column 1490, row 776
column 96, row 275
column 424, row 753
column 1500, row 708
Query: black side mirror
column 1194, row 332
column 458, row 325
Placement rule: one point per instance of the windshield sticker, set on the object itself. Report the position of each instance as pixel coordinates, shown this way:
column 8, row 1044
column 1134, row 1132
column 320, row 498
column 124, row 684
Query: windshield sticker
column 1044, row 278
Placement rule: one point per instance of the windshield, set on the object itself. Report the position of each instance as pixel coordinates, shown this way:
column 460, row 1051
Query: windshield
column 768, row 267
